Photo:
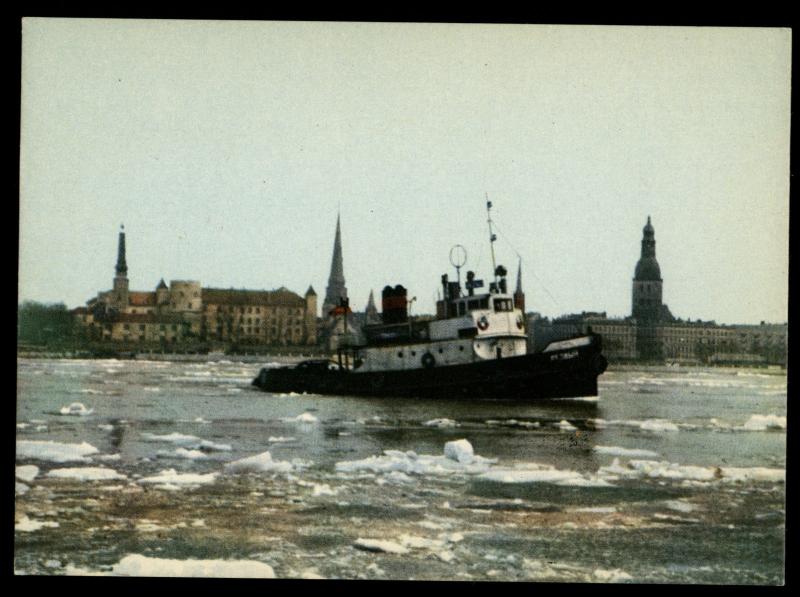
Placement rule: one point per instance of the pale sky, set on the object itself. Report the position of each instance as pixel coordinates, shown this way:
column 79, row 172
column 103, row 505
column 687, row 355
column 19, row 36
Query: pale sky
column 227, row 149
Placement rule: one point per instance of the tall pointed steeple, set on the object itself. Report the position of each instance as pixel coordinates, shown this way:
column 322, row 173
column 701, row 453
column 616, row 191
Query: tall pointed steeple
column 519, row 296
column 122, row 267
column 336, row 289
column 371, row 311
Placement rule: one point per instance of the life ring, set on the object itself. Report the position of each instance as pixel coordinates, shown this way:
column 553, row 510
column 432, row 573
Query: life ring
column 428, row 360
column 483, row 323
column 600, row 363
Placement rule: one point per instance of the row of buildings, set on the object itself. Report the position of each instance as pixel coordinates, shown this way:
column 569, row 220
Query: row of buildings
column 652, row 334
column 184, row 313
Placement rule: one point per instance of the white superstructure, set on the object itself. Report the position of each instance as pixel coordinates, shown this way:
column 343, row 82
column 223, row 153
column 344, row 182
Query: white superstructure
column 485, row 327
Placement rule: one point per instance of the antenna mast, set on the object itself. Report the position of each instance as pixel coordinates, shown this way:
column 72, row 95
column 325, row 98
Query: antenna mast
column 492, row 236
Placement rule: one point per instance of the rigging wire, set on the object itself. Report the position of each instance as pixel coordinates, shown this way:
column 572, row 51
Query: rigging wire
column 533, row 273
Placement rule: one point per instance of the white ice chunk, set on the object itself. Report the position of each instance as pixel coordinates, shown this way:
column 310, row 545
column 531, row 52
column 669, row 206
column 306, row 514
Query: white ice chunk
column 171, row 479
column 175, row 438
column 26, row 525
column 20, row 488
column 421, row 464
column 138, row 565
column 303, row 418
column 541, row 473
column 757, row 473
column 615, row 575
column 658, row 425
column 565, row 425
column 379, row 545
column 680, row 506
column 76, row 409
column 259, row 463
column 764, row 422
column 190, row 454
column 441, row 423
column 212, row 446
column 628, row 452
column 88, row 473
column 460, row 451
column 26, row 472
column 54, row 451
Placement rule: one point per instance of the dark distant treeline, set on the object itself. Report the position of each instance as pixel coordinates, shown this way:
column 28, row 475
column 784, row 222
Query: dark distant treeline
column 44, row 324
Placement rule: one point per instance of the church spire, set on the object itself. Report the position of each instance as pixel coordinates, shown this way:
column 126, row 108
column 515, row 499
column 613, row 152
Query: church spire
column 519, row 296
column 122, row 267
column 336, row 289
column 371, row 311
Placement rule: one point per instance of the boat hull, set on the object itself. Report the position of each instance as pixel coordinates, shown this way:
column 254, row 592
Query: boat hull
column 565, row 373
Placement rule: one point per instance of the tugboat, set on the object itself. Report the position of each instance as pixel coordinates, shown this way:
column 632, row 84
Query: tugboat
column 476, row 347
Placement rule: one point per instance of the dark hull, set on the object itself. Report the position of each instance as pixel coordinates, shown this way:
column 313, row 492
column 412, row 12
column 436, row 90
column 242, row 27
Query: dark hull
column 565, row 373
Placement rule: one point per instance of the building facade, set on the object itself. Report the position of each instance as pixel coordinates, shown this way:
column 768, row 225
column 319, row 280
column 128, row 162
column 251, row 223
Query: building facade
column 186, row 313
column 652, row 334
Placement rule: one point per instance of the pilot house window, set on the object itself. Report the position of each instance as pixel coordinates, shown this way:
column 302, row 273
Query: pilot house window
column 502, row 305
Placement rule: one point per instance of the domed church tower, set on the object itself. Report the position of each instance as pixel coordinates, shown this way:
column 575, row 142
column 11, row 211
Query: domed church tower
column 647, row 282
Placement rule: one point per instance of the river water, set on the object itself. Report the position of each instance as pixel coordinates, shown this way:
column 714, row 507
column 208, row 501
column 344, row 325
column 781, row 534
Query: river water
column 674, row 475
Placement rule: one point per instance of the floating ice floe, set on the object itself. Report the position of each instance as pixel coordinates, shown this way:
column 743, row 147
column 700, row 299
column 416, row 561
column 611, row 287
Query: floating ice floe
column 26, row 472
column 105, row 427
column 279, row 439
column 379, row 545
column 669, row 470
column 172, row 480
column 543, row 473
column 628, row 452
column 565, row 425
column 764, row 423
column 76, row 409
column 459, row 459
column 139, row 565
column 514, row 423
column 646, row 425
column 26, row 525
column 440, row 423
column 260, row 463
column 183, row 453
column 302, row 418
column 323, row 489
column 187, row 441
column 680, row 506
column 176, row 438
column 20, row 488
column 88, row 473
column 611, row 576
column 54, row 451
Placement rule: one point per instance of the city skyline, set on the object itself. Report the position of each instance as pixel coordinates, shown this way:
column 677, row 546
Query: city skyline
column 228, row 149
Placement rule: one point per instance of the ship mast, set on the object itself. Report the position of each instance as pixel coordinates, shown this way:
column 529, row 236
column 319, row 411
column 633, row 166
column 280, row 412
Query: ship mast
column 492, row 238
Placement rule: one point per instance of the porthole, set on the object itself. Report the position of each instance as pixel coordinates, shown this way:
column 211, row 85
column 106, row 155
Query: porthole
column 440, row 351
column 461, row 348
column 413, row 353
column 400, row 354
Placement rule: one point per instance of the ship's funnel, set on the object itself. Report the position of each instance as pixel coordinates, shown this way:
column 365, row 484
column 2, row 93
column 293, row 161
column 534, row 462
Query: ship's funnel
column 394, row 304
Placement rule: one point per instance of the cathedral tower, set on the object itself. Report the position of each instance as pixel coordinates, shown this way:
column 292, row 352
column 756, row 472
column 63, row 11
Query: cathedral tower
column 120, row 293
column 647, row 282
column 336, row 289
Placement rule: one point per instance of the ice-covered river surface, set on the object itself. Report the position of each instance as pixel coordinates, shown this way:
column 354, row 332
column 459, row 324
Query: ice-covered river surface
column 151, row 468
